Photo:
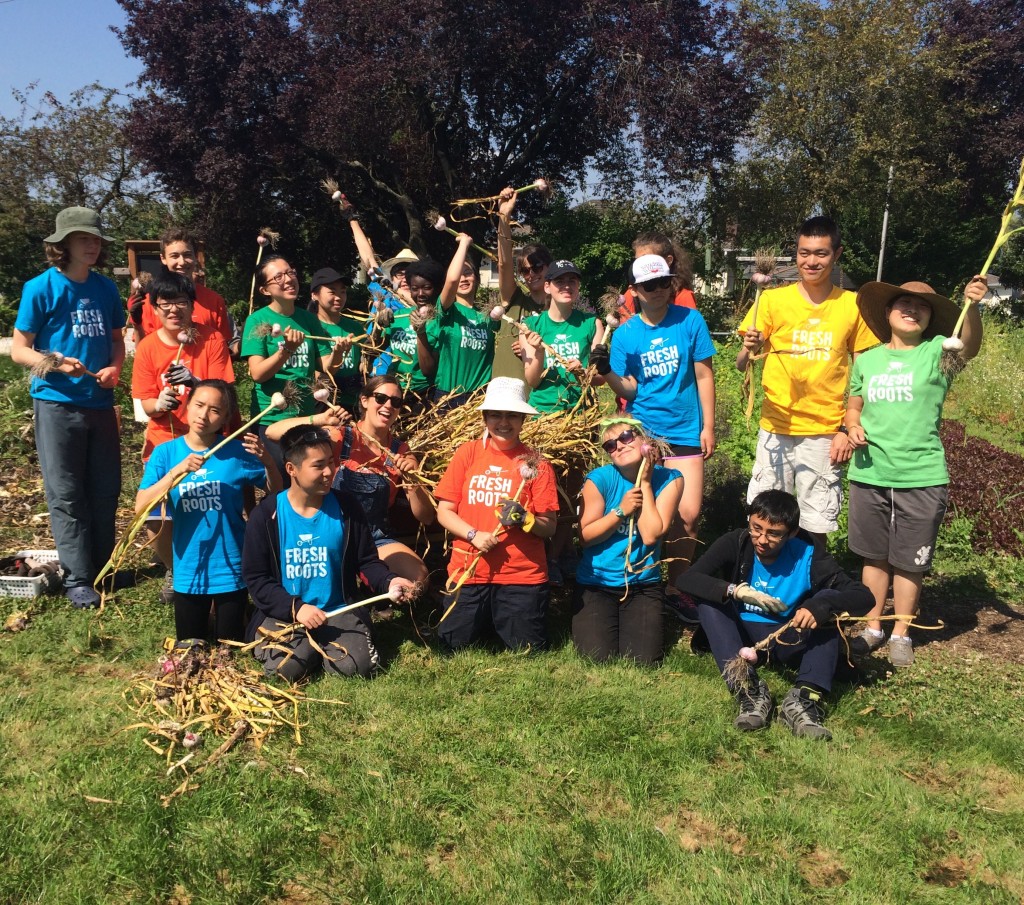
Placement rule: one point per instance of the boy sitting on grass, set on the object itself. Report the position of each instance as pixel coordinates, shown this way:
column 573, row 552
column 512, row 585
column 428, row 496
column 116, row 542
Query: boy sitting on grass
column 304, row 549
column 754, row 580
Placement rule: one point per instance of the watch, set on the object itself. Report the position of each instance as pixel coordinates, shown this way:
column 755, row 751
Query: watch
column 843, row 429
column 618, row 511
column 470, row 535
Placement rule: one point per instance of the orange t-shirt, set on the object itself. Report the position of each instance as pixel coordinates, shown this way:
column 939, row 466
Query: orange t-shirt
column 210, row 309
column 479, row 477
column 364, row 457
column 207, row 358
column 684, row 299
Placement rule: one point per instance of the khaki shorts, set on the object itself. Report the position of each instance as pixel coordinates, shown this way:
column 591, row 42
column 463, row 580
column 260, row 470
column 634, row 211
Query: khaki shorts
column 801, row 466
column 898, row 526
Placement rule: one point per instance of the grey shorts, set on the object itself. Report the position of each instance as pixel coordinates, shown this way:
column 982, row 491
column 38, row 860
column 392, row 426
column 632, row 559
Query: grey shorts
column 896, row 525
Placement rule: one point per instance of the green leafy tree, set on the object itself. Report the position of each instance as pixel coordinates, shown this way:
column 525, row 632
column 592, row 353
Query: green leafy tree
column 54, row 155
column 860, row 86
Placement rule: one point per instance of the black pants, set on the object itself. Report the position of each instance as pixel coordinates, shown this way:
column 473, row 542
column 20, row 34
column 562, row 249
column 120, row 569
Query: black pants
column 516, row 611
column 192, row 614
column 602, row 627
column 817, row 651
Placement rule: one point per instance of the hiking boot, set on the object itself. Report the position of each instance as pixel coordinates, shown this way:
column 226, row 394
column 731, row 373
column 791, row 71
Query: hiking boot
column 863, row 644
column 756, row 707
column 802, row 711
column 167, row 589
column 901, row 651
column 681, row 606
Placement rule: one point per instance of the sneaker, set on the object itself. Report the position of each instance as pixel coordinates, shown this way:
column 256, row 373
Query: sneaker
column 901, row 651
column 83, row 597
column 167, row 589
column 555, row 577
column 681, row 606
column 863, row 644
column 756, row 707
column 803, row 711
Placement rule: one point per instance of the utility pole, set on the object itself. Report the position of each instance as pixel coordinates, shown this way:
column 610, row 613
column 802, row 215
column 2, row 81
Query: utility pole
column 885, row 225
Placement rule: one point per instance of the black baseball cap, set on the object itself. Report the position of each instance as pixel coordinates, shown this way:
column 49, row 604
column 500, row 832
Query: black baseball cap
column 327, row 275
column 559, row 269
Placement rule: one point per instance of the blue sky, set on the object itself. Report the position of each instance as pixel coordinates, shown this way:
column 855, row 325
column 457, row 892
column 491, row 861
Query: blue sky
column 62, row 44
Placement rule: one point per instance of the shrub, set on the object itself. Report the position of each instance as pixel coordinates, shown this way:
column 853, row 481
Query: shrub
column 985, row 487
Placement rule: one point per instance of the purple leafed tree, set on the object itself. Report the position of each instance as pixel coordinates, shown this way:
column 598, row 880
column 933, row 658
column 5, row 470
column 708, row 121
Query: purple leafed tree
column 248, row 105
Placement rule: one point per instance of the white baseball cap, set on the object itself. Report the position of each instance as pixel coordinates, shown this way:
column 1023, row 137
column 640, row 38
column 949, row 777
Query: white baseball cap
column 649, row 267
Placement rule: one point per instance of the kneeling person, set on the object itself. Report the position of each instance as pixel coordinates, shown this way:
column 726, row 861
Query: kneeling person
column 754, row 580
column 304, row 549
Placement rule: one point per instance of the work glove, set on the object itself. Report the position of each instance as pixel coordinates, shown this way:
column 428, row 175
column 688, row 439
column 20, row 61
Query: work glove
column 744, row 593
column 167, row 401
column 179, row 375
column 514, row 515
column 600, row 358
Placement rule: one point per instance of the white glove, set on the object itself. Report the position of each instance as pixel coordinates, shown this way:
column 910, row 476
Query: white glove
column 744, row 593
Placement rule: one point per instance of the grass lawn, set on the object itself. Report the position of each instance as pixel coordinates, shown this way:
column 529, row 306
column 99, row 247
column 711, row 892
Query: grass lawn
column 491, row 777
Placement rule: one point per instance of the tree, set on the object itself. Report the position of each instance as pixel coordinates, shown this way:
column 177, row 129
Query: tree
column 411, row 104
column 860, row 86
column 55, row 155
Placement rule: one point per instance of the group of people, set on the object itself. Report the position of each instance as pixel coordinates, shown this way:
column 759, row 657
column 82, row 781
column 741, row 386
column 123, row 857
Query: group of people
column 333, row 466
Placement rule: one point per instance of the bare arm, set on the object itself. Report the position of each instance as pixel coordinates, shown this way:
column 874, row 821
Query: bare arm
column 455, row 525
column 657, row 513
column 263, row 367
column 976, row 290
column 705, row 374
column 506, row 258
column 451, row 281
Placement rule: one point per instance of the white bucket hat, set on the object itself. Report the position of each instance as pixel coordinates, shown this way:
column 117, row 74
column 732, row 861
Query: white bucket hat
column 507, row 394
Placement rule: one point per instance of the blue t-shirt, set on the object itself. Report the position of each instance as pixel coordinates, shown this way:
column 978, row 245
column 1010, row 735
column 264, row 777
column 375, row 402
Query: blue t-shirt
column 312, row 550
column 787, row 579
column 661, row 359
column 77, row 320
column 604, row 564
column 207, row 511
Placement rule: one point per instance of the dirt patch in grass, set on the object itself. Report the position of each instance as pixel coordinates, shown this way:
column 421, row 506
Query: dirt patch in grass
column 694, row 832
column 822, row 869
column 951, row 870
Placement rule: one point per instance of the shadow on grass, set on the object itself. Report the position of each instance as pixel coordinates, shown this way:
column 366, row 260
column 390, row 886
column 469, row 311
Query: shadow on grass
column 956, row 600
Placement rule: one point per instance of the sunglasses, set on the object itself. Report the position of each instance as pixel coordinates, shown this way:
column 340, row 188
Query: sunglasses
column 659, row 283
column 533, row 268
column 625, row 438
column 384, row 399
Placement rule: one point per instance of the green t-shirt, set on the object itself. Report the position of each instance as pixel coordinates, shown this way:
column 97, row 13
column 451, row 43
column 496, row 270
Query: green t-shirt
column 463, row 340
column 903, row 391
column 506, row 363
column 300, row 368
column 558, row 389
column 348, row 376
column 405, row 362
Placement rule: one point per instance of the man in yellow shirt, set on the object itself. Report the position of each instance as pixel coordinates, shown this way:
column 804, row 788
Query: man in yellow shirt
column 807, row 333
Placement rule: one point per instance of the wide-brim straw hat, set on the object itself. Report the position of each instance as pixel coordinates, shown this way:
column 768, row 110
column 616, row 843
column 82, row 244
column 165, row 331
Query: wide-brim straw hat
column 507, row 394
column 77, row 220
column 405, row 256
column 873, row 298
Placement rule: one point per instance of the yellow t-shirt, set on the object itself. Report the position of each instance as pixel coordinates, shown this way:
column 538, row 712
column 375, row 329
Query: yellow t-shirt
column 808, row 361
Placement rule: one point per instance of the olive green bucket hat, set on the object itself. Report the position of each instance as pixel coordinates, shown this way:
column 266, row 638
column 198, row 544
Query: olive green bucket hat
column 77, row 220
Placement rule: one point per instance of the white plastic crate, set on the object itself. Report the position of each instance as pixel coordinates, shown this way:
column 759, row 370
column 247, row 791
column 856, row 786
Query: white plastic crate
column 35, row 586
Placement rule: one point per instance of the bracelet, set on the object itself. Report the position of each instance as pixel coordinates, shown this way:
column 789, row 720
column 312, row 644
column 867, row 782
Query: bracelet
column 311, row 419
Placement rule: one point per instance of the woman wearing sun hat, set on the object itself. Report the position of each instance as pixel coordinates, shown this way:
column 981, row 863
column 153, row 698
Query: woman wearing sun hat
column 498, row 498
column 74, row 311
column 898, row 472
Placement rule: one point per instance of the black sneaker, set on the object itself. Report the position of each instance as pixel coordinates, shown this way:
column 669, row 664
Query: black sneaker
column 756, row 707
column 803, row 712
column 682, row 607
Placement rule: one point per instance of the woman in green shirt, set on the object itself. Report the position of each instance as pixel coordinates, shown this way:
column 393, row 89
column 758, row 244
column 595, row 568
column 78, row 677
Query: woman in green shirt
column 457, row 347
column 898, row 472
